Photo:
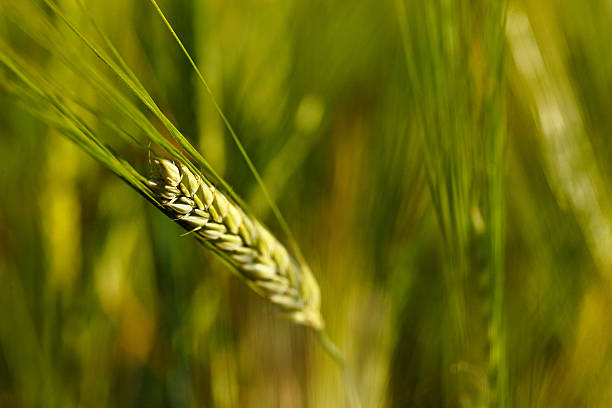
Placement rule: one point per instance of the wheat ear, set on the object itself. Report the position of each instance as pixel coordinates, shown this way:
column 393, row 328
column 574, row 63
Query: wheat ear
column 242, row 241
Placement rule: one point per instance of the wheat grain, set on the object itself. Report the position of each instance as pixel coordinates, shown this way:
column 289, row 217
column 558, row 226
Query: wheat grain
column 242, row 241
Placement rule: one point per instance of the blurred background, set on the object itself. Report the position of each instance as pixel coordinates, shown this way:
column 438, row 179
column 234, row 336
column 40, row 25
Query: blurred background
column 444, row 165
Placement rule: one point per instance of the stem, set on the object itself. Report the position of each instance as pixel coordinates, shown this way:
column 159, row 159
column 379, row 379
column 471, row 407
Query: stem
column 334, row 352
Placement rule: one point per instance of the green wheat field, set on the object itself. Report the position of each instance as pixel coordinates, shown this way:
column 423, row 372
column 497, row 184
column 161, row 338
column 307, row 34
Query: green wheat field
column 305, row 203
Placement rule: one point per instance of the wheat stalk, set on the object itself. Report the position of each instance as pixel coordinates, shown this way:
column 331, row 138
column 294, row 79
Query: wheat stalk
column 184, row 194
column 242, row 241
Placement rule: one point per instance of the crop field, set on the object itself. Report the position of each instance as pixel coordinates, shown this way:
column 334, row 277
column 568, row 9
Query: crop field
column 305, row 203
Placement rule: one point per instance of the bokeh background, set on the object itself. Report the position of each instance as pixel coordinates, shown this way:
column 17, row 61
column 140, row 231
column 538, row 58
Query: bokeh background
column 445, row 166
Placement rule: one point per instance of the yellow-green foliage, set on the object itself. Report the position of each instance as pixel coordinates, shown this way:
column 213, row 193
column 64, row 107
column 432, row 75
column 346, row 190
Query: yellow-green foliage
column 443, row 167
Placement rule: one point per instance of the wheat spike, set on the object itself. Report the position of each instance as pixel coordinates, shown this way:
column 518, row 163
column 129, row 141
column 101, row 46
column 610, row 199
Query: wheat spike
column 247, row 245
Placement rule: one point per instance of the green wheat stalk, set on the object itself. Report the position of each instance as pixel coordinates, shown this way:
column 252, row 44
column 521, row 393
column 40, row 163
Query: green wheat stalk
column 182, row 186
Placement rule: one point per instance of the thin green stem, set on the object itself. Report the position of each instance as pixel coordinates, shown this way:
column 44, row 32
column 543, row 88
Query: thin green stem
column 334, row 352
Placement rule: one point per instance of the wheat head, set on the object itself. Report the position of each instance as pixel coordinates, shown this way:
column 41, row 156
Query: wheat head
column 242, row 241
